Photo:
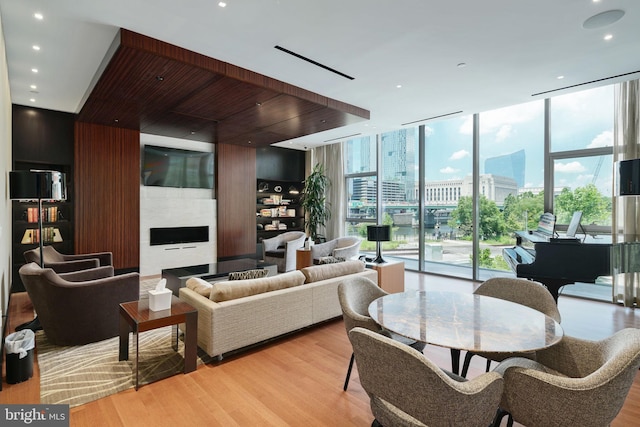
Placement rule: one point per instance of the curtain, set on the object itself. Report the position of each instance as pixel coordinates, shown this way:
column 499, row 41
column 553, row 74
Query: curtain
column 331, row 157
column 626, row 210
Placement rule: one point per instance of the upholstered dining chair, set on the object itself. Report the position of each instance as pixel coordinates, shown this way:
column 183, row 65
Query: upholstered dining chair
column 405, row 388
column 574, row 383
column 521, row 291
column 355, row 295
column 62, row 263
column 281, row 249
column 80, row 307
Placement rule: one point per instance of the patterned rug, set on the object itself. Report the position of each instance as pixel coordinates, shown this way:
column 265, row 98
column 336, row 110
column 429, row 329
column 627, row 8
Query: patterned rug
column 75, row 375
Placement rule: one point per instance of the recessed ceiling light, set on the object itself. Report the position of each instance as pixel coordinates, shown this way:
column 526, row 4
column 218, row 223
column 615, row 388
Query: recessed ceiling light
column 222, row 4
column 399, row 86
column 603, row 19
column 32, row 100
column 38, row 16
column 36, row 47
column 34, row 70
column 33, row 87
column 560, row 77
column 608, row 37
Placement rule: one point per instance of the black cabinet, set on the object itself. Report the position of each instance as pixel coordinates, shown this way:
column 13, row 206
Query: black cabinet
column 278, row 208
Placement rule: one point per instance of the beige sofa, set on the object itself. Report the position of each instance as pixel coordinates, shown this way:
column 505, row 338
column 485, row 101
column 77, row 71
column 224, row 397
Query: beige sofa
column 238, row 313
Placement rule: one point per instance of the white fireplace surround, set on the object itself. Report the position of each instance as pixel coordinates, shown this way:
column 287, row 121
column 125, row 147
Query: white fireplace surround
column 176, row 207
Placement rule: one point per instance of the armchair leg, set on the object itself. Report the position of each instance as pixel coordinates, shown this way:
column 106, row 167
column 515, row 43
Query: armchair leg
column 346, row 380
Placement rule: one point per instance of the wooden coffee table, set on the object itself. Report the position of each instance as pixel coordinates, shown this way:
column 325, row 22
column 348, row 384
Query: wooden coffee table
column 136, row 317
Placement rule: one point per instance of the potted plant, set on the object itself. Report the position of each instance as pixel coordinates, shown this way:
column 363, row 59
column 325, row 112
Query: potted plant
column 314, row 202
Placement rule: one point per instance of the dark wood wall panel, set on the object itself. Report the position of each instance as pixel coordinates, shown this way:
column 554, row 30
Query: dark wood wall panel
column 107, row 184
column 236, row 194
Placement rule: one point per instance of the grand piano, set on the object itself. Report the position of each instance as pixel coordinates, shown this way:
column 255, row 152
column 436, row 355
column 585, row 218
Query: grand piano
column 556, row 261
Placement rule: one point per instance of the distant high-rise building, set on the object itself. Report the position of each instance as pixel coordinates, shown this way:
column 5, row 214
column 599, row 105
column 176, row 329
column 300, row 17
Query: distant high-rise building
column 509, row 165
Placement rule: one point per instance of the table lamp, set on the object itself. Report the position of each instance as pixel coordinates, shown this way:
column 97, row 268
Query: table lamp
column 379, row 233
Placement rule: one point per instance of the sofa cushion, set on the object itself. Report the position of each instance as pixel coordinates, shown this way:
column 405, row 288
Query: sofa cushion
column 200, row 286
column 315, row 273
column 249, row 274
column 229, row 290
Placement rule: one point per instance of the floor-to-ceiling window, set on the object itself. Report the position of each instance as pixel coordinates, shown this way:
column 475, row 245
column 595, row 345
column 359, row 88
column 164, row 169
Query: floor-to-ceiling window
column 361, row 183
column 514, row 182
column 581, row 152
column 448, row 227
column 511, row 164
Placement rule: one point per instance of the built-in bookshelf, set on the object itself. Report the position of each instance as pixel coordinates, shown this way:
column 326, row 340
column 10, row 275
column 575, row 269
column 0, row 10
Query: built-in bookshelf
column 278, row 208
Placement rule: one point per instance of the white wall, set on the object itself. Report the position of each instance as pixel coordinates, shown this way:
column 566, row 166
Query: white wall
column 5, row 167
column 176, row 207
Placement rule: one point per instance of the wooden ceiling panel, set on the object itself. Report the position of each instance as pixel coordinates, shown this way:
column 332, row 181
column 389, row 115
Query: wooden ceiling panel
column 163, row 89
column 224, row 98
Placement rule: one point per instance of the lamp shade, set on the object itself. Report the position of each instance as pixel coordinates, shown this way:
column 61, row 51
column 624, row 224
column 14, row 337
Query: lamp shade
column 629, row 174
column 378, row 233
column 48, row 185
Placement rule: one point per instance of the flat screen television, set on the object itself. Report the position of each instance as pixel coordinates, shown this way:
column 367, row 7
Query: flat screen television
column 174, row 167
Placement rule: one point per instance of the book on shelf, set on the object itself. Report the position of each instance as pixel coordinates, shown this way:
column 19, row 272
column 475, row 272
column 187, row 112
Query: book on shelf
column 49, row 214
column 32, row 235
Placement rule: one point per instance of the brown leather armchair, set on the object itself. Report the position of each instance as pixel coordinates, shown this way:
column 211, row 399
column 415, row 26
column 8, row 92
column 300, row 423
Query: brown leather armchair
column 62, row 263
column 80, row 307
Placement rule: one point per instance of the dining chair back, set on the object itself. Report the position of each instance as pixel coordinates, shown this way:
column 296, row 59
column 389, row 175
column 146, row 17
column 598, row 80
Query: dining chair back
column 520, row 291
column 573, row 383
column 407, row 389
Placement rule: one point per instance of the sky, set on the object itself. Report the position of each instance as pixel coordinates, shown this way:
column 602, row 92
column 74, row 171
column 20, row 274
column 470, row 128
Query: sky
column 578, row 121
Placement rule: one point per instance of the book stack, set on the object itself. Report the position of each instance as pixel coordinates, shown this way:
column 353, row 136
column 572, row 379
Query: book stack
column 51, row 235
column 49, row 214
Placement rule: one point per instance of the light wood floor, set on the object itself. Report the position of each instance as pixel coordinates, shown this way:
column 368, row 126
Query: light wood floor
column 293, row 381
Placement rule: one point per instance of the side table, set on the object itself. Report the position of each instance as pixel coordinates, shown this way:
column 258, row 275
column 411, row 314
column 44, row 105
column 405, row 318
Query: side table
column 390, row 275
column 303, row 258
column 135, row 316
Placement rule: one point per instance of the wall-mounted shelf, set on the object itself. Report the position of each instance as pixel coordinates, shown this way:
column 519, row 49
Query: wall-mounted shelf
column 278, row 208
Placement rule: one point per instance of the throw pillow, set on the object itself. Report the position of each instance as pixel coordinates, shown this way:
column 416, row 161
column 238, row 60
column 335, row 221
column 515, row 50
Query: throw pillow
column 249, row 274
column 315, row 273
column 200, row 286
column 330, row 260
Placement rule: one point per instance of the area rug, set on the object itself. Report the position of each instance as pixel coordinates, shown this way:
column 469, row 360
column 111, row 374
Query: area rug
column 75, row 375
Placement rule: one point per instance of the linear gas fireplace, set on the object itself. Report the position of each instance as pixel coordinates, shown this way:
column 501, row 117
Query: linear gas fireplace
column 173, row 235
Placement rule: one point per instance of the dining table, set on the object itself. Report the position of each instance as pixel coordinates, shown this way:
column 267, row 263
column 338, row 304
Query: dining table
column 465, row 322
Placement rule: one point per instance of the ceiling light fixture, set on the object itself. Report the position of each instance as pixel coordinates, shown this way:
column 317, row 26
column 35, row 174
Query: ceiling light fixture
column 560, row 77
column 38, row 16
column 603, row 19
column 32, row 100
column 222, row 4
column 33, row 87
column 36, row 47
column 34, row 70
column 399, row 86
column 608, row 36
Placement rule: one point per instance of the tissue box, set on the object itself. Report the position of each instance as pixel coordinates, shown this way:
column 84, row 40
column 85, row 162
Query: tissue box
column 160, row 300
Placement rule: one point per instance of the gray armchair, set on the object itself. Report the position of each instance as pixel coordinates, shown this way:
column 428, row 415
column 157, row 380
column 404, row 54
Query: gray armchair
column 62, row 263
column 79, row 307
column 574, row 383
column 343, row 247
column 281, row 250
column 407, row 389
